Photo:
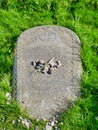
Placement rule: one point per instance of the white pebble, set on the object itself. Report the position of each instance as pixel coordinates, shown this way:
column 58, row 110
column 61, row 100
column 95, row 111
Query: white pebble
column 20, row 118
column 13, row 122
column 52, row 123
column 26, row 123
column 8, row 95
column 41, row 61
column 48, row 127
column 61, row 123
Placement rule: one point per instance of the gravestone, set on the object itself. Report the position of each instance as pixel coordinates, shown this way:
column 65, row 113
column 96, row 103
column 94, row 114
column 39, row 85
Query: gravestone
column 44, row 95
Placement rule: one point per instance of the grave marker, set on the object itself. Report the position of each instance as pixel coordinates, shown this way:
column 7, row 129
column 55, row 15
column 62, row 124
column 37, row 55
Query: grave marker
column 44, row 95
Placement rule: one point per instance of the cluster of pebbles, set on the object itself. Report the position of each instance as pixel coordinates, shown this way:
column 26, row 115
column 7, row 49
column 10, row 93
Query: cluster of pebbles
column 46, row 67
column 52, row 124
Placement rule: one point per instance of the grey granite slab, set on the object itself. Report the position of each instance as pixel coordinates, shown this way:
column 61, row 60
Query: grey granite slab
column 44, row 95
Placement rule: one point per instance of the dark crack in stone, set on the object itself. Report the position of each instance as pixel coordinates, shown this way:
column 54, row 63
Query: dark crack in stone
column 45, row 95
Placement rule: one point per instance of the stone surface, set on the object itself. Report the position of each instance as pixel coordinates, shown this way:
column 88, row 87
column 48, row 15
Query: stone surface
column 44, row 95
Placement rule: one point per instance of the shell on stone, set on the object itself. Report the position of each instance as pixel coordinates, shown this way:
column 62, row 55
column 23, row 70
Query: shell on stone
column 52, row 60
column 52, row 64
column 58, row 63
column 33, row 63
column 41, row 61
column 55, row 66
column 37, row 60
column 45, row 69
column 50, row 71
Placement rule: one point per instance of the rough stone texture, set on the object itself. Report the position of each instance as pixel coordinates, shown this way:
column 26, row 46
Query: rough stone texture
column 44, row 95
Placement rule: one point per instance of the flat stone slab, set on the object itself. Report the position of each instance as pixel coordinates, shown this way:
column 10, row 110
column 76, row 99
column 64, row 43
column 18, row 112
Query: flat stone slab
column 44, row 95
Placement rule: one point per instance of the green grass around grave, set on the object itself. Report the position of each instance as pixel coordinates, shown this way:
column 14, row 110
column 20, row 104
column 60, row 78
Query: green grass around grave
column 79, row 15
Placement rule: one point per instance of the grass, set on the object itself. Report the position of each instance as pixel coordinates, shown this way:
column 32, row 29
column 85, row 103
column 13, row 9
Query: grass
column 80, row 16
